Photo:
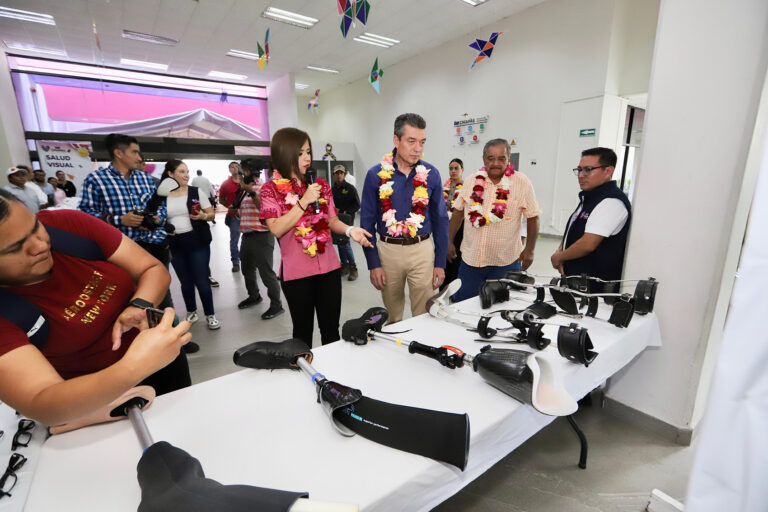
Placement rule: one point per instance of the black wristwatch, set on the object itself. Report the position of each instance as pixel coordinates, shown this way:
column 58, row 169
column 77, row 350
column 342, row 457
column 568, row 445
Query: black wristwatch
column 141, row 303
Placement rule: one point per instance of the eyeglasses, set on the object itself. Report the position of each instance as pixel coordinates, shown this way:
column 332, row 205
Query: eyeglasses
column 586, row 170
column 23, row 434
column 9, row 478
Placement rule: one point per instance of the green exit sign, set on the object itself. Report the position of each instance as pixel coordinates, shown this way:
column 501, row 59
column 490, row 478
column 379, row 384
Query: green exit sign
column 587, row 132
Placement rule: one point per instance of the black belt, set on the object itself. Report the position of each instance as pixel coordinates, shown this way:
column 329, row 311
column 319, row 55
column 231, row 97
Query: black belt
column 403, row 241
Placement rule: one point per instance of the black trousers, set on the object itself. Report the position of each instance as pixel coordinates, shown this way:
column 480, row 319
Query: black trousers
column 452, row 267
column 162, row 253
column 319, row 293
column 172, row 377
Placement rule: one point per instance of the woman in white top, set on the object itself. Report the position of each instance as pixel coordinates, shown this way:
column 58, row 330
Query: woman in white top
column 189, row 212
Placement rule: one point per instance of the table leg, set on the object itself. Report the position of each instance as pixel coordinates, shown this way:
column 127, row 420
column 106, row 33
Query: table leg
column 582, row 440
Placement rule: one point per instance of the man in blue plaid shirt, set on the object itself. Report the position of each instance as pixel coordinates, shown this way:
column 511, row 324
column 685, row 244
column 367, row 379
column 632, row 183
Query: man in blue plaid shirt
column 114, row 193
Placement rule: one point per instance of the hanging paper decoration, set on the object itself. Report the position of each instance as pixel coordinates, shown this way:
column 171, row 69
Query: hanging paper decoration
column 484, row 48
column 223, row 97
column 351, row 9
column 376, row 74
column 263, row 52
column 314, row 103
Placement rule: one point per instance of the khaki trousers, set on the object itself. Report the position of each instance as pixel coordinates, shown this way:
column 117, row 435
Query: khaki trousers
column 412, row 263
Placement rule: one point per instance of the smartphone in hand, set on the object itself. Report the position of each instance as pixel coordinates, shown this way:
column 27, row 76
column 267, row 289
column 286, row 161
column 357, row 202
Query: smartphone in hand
column 154, row 316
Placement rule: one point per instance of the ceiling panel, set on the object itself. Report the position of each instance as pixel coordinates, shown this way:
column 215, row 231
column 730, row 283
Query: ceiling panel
column 207, row 29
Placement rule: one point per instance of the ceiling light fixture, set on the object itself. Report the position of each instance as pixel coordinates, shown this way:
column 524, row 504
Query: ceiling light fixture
column 324, row 70
column 149, row 38
column 32, row 48
column 300, row 86
column 291, row 18
column 144, row 64
column 240, row 54
column 361, row 40
column 381, row 38
column 227, row 76
column 35, row 17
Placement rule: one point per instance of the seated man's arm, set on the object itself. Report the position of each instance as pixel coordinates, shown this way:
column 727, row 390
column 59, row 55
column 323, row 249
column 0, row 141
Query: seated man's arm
column 29, row 384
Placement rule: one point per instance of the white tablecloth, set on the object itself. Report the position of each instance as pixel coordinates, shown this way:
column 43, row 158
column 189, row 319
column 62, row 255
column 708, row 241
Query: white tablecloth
column 265, row 428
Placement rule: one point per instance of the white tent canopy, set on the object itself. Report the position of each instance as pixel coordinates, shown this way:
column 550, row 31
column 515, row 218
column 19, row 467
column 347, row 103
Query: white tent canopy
column 196, row 124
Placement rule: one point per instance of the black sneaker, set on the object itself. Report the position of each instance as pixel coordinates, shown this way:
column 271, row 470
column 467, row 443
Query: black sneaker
column 272, row 312
column 235, row 267
column 250, row 301
column 214, row 283
column 190, row 347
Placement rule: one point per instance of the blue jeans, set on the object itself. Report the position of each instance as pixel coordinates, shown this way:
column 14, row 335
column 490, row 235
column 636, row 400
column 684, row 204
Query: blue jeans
column 472, row 278
column 189, row 258
column 346, row 255
column 233, row 224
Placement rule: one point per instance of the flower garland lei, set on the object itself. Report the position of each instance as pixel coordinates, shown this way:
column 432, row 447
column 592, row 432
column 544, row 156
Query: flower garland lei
column 312, row 231
column 457, row 191
column 410, row 226
column 499, row 205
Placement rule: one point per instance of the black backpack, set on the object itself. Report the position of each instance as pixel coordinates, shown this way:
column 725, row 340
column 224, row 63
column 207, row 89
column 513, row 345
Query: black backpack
column 26, row 315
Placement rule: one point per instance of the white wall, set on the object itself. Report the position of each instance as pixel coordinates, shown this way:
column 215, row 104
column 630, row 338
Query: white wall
column 697, row 133
column 13, row 150
column 281, row 105
column 549, row 54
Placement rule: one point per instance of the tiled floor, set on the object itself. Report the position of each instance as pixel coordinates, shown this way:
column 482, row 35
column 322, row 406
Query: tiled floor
column 624, row 465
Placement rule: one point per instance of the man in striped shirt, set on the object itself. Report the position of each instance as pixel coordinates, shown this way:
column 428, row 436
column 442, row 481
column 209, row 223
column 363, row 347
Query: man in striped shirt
column 257, row 248
column 493, row 247
column 118, row 194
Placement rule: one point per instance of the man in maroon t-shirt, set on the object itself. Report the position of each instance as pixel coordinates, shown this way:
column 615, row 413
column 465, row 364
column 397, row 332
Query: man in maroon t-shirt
column 101, row 347
column 227, row 193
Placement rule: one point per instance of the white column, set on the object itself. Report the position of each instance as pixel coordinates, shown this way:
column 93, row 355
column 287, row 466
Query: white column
column 13, row 149
column 709, row 63
column 281, row 103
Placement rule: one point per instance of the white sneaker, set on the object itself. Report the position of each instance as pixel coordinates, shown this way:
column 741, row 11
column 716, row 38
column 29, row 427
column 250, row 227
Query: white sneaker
column 191, row 316
column 213, row 322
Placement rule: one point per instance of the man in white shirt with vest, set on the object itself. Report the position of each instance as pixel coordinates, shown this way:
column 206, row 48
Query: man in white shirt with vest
column 595, row 237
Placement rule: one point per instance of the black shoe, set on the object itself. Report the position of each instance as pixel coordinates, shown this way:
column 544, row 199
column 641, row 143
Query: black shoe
column 235, row 267
column 190, row 347
column 272, row 312
column 250, row 301
column 344, row 270
column 214, row 283
column 352, row 273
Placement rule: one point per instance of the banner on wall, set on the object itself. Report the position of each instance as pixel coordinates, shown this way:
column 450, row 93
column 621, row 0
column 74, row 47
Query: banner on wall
column 74, row 158
column 469, row 129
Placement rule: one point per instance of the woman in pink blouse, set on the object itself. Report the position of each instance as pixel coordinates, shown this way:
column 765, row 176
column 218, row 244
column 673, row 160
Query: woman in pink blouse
column 309, row 270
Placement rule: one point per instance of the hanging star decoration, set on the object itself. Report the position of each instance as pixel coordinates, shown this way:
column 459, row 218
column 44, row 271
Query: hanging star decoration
column 375, row 77
column 351, row 9
column 263, row 52
column 314, row 103
column 484, row 48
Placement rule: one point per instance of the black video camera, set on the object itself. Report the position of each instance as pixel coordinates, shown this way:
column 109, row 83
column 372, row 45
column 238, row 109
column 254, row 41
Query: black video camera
column 149, row 212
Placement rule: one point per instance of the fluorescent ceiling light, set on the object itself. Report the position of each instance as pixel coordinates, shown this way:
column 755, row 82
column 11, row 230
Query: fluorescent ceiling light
column 381, row 38
column 32, row 48
column 243, row 54
column 301, row 86
column 325, row 70
column 475, row 3
column 35, row 17
column 291, row 18
column 359, row 40
column 227, row 76
column 149, row 38
column 144, row 64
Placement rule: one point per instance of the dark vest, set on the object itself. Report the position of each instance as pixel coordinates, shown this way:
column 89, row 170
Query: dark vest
column 200, row 227
column 607, row 260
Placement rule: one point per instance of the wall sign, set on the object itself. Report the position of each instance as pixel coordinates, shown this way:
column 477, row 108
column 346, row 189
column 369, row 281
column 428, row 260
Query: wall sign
column 587, row 132
column 71, row 157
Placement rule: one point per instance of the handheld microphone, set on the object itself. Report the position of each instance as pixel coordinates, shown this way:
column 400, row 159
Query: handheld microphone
column 311, row 174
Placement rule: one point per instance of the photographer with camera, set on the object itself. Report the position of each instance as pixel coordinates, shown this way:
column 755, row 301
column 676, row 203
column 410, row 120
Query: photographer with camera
column 123, row 197
column 258, row 246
